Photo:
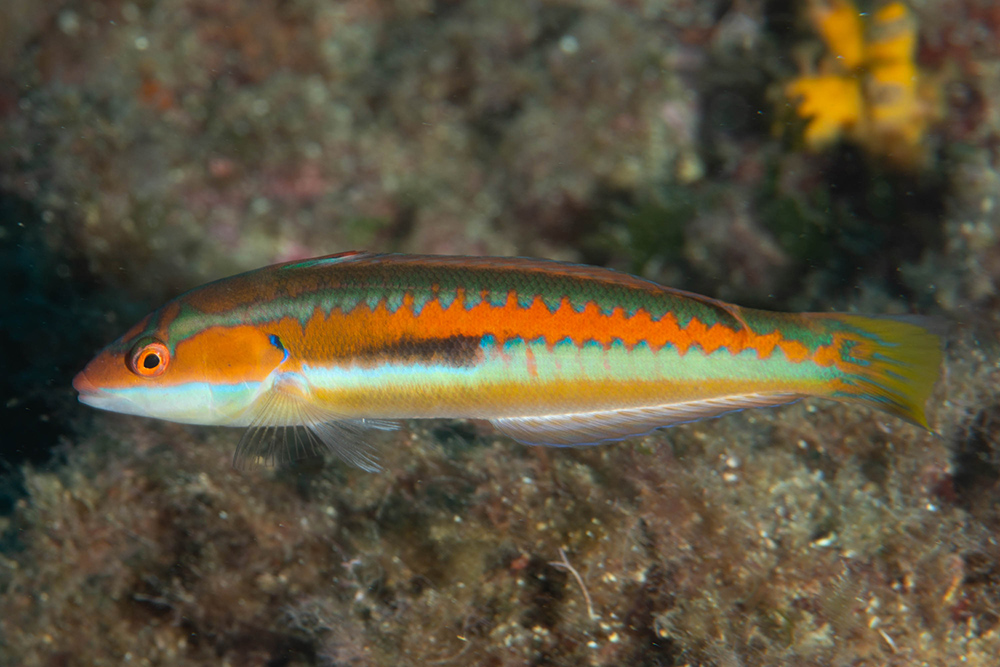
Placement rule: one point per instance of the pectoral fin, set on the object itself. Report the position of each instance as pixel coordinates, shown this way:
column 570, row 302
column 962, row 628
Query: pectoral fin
column 287, row 425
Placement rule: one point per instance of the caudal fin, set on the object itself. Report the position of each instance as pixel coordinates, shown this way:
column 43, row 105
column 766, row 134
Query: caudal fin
column 889, row 363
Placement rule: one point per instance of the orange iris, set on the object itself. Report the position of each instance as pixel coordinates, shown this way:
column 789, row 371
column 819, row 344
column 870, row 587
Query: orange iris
column 149, row 358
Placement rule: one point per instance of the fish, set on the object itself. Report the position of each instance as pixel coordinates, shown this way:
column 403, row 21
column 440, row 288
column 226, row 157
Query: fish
column 312, row 356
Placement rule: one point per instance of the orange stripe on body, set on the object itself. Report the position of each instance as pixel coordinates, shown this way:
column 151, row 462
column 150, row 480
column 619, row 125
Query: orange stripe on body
column 346, row 335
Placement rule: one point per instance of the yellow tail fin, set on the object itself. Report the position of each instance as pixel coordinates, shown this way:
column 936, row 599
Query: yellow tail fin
column 890, row 363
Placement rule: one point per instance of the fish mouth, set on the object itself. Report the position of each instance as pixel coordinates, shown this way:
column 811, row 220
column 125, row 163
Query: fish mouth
column 90, row 393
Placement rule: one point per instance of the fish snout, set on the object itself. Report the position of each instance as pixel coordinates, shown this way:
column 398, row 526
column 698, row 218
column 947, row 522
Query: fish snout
column 85, row 387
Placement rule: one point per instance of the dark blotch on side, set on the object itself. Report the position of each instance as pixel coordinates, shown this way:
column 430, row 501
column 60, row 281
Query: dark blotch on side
column 456, row 351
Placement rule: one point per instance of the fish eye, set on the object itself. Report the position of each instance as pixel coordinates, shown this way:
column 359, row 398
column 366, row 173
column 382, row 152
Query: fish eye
column 148, row 358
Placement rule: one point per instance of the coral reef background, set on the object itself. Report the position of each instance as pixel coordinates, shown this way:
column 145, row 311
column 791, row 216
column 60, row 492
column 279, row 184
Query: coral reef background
column 147, row 147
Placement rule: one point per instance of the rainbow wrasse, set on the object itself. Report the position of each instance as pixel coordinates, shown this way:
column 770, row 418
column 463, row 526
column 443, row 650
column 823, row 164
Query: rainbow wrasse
column 549, row 353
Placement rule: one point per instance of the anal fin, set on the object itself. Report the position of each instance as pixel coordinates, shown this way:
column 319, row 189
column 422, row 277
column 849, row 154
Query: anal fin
column 591, row 428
